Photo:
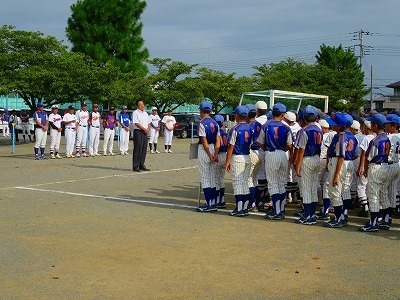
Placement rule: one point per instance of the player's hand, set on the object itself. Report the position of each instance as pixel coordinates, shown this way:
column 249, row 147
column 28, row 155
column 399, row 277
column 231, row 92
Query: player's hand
column 59, row 129
column 228, row 167
column 335, row 181
column 359, row 172
column 298, row 172
column 365, row 174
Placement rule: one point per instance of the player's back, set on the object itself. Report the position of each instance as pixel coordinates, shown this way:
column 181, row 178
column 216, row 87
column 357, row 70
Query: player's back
column 242, row 136
column 276, row 135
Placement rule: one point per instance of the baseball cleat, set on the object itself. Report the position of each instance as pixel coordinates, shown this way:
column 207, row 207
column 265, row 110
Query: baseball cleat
column 52, row 156
column 384, row 225
column 321, row 216
column 277, row 217
column 152, row 152
column 300, row 221
column 169, row 151
column 84, row 154
column 105, row 154
column 157, row 151
column 240, row 213
column 58, row 156
column 36, row 157
column 310, row 221
column 234, row 212
column 333, row 224
column 43, row 157
column 203, row 208
column 368, row 228
column 78, row 154
column 166, row 151
column 112, row 153
column 221, row 205
column 71, row 156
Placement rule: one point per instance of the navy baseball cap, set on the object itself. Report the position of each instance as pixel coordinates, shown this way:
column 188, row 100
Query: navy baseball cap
column 377, row 119
column 279, row 107
column 84, row 104
column 40, row 104
column 219, row 119
column 205, row 106
column 71, row 107
column 393, row 118
column 269, row 115
column 337, row 119
column 310, row 111
column 241, row 110
column 349, row 119
column 251, row 107
column 124, row 107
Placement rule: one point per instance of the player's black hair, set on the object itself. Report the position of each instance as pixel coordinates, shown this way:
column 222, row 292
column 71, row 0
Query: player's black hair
column 276, row 114
column 262, row 112
column 395, row 124
column 137, row 101
column 380, row 127
column 252, row 114
column 309, row 119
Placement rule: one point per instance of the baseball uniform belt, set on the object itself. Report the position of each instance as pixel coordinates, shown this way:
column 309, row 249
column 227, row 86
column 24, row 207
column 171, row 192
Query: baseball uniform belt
column 83, row 125
column 69, row 127
column 95, row 126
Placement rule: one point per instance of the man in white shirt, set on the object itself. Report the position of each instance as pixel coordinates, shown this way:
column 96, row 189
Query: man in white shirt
column 141, row 127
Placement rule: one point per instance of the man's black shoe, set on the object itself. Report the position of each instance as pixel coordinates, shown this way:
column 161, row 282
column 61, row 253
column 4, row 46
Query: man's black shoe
column 144, row 168
column 136, row 170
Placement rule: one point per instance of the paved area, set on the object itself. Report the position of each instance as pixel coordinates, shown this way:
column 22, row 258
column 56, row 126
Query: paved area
column 91, row 228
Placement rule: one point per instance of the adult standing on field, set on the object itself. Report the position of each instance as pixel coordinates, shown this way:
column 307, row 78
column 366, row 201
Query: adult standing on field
column 141, row 126
column 41, row 125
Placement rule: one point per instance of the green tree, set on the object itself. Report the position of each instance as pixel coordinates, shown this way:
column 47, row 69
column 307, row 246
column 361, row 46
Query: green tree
column 340, row 77
column 224, row 90
column 171, row 85
column 109, row 31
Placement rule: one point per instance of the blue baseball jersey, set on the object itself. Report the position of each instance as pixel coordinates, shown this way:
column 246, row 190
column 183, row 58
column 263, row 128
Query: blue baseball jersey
column 223, row 141
column 40, row 115
column 343, row 145
column 379, row 149
column 275, row 135
column 310, row 139
column 255, row 127
column 240, row 137
column 124, row 119
column 209, row 129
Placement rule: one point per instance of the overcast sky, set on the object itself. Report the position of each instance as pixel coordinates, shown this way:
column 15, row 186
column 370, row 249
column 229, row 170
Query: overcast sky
column 235, row 35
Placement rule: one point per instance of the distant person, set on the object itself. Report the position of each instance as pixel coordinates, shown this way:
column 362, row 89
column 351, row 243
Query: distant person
column 25, row 125
column 94, row 133
column 154, row 130
column 141, row 127
column 169, row 123
column 109, row 124
column 13, row 122
column 125, row 122
column 41, row 126
column 69, row 120
column 82, row 118
column 55, row 122
column 6, row 119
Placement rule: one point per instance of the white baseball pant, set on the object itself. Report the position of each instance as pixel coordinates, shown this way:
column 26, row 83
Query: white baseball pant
column 220, row 171
column 323, row 180
column 154, row 135
column 70, row 135
column 168, row 137
column 378, row 187
column 41, row 138
column 206, row 167
column 393, row 177
column 309, row 179
column 108, row 140
column 344, row 180
column 94, row 138
column 124, row 140
column 55, row 138
column 26, row 129
column 255, row 166
column 81, row 137
column 276, row 168
column 6, row 129
column 240, row 168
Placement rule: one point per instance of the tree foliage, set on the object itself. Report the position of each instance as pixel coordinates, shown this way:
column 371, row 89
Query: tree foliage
column 109, row 31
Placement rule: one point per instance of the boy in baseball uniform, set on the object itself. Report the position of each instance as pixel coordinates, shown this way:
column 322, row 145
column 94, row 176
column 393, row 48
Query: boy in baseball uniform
column 275, row 139
column 308, row 144
column 109, row 124
column 70, row 123
column 341, row 154
column 238, row 160
column 94, row 133
column 82, row 119
column 154, row 130
column 125, row 123
column 169, row 123
column 41, row 126
column 55, row 122
column 220, row 168
column 209, row 144
column 376, row 170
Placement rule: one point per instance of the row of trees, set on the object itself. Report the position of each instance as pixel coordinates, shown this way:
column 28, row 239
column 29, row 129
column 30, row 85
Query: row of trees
column 108, row 64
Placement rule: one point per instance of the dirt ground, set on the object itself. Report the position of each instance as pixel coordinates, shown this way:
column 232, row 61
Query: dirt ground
column 91, row 228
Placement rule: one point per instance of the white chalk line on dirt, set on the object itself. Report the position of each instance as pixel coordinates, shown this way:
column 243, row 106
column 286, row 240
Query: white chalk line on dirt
column 156, row 203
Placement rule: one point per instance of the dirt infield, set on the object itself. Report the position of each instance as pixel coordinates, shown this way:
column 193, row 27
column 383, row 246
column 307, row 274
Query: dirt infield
column 91, row 228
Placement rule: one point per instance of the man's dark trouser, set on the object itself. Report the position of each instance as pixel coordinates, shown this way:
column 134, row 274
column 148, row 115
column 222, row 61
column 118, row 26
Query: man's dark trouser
column 139, row 148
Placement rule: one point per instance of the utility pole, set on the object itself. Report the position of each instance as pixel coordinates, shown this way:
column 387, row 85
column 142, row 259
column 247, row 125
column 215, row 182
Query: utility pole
column 370, row 96
column 360, row 35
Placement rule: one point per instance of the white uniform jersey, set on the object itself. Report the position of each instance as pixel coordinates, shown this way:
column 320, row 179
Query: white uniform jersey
column 82, row 117
column 155, row 120
column 326, row 141
column 55, row 119
column 69, row 117
column 365, row 141
column 394, row 148
column 95, row 119
column 169, row 121
column 262, row 119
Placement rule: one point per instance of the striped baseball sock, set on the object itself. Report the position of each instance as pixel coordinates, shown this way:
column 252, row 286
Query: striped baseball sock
column 374, row 218
column 239, row 202
column 385, row 215
column 207, row 195
column 313, row 209
column 276, row 202
column 326, row 204
column 283, row 202
column 222, row 195
column 213, row 196
column 41, row 151
column 36, row 151
column 338, row 212
column 252, row 194
column 307, row 209
column 346, row 207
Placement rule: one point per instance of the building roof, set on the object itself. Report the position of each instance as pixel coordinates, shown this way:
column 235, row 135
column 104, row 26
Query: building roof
column 394, row 85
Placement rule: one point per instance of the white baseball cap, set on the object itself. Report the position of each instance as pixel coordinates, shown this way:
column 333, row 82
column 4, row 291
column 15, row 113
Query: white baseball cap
column 323, row 123
column 291, row 117
column 261, row 105
column 54, row 106
column 355, row 125
column 367, row 123
column 154, row 108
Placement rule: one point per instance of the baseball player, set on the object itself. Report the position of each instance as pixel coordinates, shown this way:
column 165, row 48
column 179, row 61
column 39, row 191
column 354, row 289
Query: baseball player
column 254, row 155
column 109, row 125
column 169, row 122
column 13, row 122
column 55, row 122
column 5, row 118
column 82, row 118
column 220, row 168
column 94, row 133
column 341, row 153
column 154, row 130
column 209, row 144
column 356, row 130
column 70, row 123
column 25, row 125
column 275, row 139
column 125, row 122
column 238, row 160
column 308, row 144
column 393, row 173
column 41, row 125
column 361, row 179
column 376, row 170
column 323, row 175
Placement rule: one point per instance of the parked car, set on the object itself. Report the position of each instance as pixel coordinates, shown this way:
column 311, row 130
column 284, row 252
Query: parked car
column 183, row 126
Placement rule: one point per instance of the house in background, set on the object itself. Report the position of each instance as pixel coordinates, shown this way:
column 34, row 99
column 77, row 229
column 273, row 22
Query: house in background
column 394, row 100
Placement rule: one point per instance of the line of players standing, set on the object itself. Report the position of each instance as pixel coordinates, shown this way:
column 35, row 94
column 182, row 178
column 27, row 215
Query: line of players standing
column 327, row 157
